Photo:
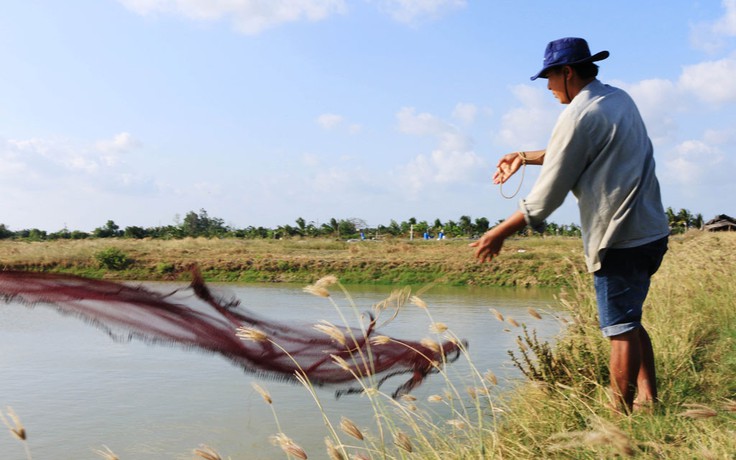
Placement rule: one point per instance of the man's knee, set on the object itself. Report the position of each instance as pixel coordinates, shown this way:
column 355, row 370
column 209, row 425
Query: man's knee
column 628, row 336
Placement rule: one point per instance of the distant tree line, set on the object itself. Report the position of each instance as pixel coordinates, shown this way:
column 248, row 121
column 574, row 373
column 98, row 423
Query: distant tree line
column 683, row 220
column 202, row 225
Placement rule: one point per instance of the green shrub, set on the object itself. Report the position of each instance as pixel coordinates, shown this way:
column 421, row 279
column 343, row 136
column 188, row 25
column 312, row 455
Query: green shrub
column 165, row 268
column 113, row 259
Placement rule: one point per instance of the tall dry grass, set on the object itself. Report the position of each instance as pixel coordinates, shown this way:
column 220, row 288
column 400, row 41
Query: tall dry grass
column 691, row 317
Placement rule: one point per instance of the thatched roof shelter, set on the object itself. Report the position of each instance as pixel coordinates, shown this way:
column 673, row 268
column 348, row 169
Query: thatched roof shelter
column 721, row 223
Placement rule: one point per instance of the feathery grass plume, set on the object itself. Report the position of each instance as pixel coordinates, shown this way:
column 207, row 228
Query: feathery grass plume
column 350, row 428
column 431, row 344
column 437, row 328
column 402, row 441
column 331, row 330
column 370, row 391
column 512, row 321
column 418, row 302
column 380, row 340
column 434, row 398
column 729, row 405
column 251, row 333
column 408, row 398
column 482, row 391
column 457, row 424
column 603, row 434
column 261, row 391
column 534, row 313
column 332, row 451
column 490, row 377
column 207, row 453
column 698, row 411
column 107, row 454
column 396, row 300
column 16, row 428
column 288, row 446
column 319, row 291
column 340, row 361
column 497, row 314
column 326, row 281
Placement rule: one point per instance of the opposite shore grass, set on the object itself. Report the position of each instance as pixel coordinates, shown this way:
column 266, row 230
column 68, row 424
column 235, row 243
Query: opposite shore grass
column 529, row 261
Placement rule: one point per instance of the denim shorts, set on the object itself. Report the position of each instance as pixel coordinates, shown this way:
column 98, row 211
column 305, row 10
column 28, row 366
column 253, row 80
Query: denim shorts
column 622, row 284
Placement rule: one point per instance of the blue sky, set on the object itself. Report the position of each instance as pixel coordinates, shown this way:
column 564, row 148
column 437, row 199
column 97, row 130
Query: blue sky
column 263, row 111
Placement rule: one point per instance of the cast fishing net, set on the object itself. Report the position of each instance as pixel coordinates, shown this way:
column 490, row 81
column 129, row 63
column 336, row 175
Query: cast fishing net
column 195, row 317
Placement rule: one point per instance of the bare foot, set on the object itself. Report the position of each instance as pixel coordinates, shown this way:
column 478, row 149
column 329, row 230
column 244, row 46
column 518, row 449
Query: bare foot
column 644, row 406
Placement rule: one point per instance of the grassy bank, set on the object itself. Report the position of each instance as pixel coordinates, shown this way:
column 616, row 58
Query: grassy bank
column 691, row 316
column 533, row 261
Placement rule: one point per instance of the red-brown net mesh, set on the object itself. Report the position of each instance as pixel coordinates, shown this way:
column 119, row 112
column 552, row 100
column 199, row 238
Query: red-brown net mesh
column 194, row 317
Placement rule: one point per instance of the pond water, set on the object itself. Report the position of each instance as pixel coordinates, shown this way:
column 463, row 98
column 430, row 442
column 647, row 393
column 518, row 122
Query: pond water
column 76, row 390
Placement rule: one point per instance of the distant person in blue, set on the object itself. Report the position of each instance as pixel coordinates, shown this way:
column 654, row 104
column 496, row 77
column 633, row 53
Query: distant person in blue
column 599, row 150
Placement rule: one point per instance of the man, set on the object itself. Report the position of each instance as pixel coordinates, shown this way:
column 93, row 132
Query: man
column 599, row 150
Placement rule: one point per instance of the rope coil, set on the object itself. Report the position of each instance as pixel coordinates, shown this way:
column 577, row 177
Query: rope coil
column 523, row 157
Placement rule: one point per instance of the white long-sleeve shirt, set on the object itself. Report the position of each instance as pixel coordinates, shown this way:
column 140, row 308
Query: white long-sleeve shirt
column 600, row 150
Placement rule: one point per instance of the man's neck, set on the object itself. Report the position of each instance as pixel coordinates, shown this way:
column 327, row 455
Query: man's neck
column 577, row 85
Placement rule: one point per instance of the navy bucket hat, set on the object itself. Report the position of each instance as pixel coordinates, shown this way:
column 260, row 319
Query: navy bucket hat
column 567, row 51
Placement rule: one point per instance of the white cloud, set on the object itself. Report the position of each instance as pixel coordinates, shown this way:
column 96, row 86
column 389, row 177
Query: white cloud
column 329, row 120
column 248, row 16
column 426, row 124
column 120, row 143
column 442, row 168
column 719, row 136
column 711, row 81
column 310, row 159
column 421, row 124
column 410, row 11
column 727, row 24
column 711, row 36
column 659, row 101
column 691, row 161
column 48, row 163
column 451, row 163
column 111, row 149
column 528, row 127
column 465, row 112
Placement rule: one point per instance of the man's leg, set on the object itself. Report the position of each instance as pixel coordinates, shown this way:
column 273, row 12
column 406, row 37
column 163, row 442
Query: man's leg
column 625, row 366
column 646, row 381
